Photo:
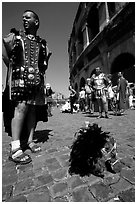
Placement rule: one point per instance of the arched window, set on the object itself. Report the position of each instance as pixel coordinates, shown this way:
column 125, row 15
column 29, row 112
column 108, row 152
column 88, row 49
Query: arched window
column 123, row 63
column 93, row 22
column 111, row 9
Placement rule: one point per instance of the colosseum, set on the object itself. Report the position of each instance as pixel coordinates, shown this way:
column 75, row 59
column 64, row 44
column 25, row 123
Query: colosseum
column 103, row 34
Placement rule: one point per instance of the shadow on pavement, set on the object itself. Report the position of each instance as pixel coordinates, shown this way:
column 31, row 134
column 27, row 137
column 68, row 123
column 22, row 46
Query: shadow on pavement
column 42, row 135
column 91, row 115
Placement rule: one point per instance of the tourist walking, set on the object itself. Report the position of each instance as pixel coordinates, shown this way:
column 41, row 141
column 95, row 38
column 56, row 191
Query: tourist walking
column 122, row 88
column 82, row 96
column 49, row 99
column 72, row 98
column 110, row 94
column 89, row 96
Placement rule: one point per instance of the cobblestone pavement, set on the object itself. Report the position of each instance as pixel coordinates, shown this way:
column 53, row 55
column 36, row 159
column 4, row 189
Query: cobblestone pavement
column 46, row 179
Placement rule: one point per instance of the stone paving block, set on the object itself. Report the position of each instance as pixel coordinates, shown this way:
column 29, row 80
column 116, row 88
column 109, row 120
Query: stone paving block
column 59, row 189
column 52, row 150
column 5, row 149
column 127, row 196
column 128, row 161
column 114, row 178
column 63, row 150
column 58, row 139
column 64, row 157
column 41, row 157
column 69, row 138
column 129, row 150
column 128, row 174
column 91, row 179
column 6, row 192
column 26, row 174
column 23, row 168
column 46, row 155
column 121, row 186
column 60, row 174
column 9, row 166
column 64, row 160
column 37, row 166
column 9, row 171
column 58, row 144
column 38, row 162
column 50, row 160
column 131, row 145
column 53, row 167
column 68, row 141
column 46, row 146
column 10, row 178
column 43, row 180
column 108, row 174
column 18, row 199
column 101, row 191
column 65, row 163
column 75, row 181
column 5, row 156
column 82, row 195
column 23, row 187
column 38, row 172
column 4, row 160
column 61, row 199
column 39, row 195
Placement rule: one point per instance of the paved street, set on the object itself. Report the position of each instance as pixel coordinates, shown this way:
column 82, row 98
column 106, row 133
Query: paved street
column 46, row 179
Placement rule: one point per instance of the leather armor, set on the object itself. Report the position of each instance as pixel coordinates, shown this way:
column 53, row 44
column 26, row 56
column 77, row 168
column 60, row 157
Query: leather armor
column 27, row 63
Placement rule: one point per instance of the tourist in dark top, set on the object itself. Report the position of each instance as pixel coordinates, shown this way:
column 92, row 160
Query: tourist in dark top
column 122, row 90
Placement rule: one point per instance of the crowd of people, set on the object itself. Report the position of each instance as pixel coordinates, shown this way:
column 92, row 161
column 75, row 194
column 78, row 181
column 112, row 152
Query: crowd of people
column 99, row 90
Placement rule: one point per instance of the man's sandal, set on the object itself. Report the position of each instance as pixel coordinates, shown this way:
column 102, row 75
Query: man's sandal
column 19, row 157
column 33, row 147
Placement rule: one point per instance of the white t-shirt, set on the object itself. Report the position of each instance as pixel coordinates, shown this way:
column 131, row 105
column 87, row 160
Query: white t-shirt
column 87, row 89
column 82, row 94
column 110, row 92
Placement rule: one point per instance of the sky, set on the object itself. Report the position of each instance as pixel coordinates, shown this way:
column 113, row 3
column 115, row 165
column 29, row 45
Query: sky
column 56, row 21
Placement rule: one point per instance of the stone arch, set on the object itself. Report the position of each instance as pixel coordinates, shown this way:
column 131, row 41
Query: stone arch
column 82, row 83
column 93, row 22
column 123, row 63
